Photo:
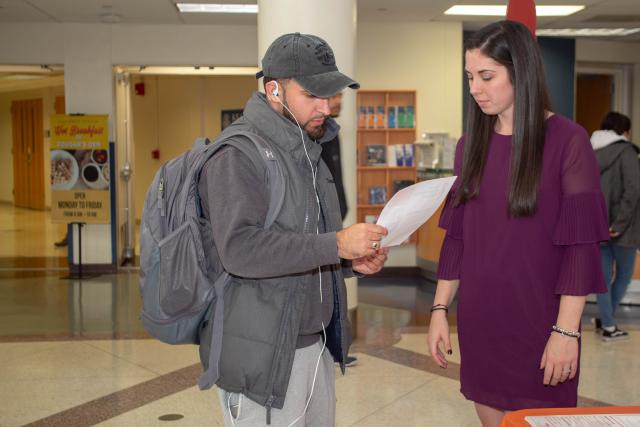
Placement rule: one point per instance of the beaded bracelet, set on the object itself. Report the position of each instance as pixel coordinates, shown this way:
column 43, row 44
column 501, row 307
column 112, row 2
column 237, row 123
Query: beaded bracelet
column 440, row 307
column 566, row 333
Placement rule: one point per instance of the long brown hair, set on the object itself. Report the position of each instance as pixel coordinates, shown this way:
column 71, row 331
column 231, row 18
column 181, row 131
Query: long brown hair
column 510, row 44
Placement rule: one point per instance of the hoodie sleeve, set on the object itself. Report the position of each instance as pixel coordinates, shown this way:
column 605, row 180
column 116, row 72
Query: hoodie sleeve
column 628, row 203
column 236, row 202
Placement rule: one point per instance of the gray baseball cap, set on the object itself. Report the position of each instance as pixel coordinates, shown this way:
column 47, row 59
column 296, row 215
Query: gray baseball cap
column 308, row 60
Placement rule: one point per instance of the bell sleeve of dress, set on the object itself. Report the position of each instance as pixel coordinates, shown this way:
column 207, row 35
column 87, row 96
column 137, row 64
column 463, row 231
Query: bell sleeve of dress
column 582, row 223
column 451, row 220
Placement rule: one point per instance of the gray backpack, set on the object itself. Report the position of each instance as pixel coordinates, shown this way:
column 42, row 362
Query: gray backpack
column 179, row 285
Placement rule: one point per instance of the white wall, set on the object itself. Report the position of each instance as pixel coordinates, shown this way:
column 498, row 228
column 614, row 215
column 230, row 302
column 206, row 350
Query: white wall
column 218, row 45
column 618, row 53
column 31, row 43
column 423, row 56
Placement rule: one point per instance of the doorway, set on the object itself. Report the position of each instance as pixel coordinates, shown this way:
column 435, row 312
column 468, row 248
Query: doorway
column 160, row 112
column 28, row 97
column 600, row 88
column 594, row 99
column 28, row 153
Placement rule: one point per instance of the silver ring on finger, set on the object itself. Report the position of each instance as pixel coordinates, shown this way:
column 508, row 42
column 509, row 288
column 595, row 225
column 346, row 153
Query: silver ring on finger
column 375, row 245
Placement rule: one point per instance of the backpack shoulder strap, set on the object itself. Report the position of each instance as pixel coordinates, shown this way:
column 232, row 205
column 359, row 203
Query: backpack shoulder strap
column 262, row 154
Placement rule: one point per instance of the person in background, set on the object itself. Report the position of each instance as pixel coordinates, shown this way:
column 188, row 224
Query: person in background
column 620, row 181
column 331, row 156
column 523, row 223
column 62, row 242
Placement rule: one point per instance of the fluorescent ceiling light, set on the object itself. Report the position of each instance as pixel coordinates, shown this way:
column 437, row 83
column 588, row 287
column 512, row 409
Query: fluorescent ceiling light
column 487, row 10
column 557, row 10
column 496, row 10
column 216, row 8
column 587, row 32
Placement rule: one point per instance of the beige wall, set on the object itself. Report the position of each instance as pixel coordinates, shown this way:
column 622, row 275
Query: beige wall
column 6, row 140
column 423, row 56
column 173, row 112
column 426, row 57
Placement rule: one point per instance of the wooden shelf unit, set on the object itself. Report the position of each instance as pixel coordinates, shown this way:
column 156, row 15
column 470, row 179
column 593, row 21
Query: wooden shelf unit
column 382, row 176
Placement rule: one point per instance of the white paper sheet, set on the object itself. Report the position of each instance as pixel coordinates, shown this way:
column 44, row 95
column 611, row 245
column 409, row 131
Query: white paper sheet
column 411, row 207
column 599, row 420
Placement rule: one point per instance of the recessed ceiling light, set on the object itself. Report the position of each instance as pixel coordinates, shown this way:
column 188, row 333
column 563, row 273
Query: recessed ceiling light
column 587, row 32
column 216, row 8
column 496, row 10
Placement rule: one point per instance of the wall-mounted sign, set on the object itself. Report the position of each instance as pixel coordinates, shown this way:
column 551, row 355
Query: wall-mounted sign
column 80, row 167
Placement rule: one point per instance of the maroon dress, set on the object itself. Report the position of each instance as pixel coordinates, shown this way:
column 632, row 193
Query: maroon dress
column 512, row 271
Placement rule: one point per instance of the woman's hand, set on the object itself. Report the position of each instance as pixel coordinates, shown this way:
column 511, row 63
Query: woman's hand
column 439, row 333
column 560, row 359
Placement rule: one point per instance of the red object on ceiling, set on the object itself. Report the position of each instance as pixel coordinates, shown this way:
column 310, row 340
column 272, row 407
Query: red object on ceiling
column 155, row 154
column 523, row 11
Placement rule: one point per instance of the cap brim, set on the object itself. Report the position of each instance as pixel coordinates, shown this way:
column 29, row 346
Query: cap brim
column 327, row 84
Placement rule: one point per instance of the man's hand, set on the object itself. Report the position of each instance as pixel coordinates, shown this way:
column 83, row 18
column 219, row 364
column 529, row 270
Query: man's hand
column 359, row 240
column 370, row 264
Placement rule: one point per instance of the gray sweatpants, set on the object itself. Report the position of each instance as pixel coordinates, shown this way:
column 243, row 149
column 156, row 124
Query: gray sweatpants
column 322, row 407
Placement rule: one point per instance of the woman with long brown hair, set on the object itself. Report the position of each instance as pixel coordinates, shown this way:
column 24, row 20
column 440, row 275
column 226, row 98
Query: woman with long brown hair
column 523, row 224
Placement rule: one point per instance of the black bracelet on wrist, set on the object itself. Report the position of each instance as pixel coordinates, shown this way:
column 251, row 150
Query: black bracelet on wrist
column 440, row 307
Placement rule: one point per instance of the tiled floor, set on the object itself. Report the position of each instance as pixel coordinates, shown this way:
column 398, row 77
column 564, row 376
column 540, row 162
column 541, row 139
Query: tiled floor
column 29, row 233
column 28, row 238
column 75, row 354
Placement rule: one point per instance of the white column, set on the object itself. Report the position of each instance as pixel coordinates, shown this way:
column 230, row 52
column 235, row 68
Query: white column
column 88, row 83
column 335, row 22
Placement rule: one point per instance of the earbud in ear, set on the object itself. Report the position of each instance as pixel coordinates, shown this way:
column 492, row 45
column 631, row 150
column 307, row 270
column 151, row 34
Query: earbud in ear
column 275, row 90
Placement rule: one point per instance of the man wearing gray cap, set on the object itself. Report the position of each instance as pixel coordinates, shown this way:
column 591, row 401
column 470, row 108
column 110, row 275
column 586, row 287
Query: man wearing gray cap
column 285, row 317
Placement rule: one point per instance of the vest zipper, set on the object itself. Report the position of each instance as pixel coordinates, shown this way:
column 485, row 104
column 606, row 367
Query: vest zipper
column 161, row 196
column 268, row 406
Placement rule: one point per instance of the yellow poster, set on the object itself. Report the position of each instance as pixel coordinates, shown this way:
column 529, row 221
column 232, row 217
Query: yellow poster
column 80, row 169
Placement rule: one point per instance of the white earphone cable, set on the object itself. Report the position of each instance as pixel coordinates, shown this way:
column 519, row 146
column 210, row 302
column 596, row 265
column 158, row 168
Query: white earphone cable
column 315, row 191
